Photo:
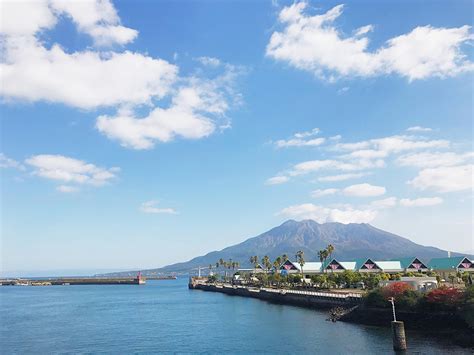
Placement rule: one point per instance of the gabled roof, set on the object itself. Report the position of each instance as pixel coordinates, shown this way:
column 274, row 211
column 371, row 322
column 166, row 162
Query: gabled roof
column 369, row 262
column 333, row 265
column 447, row 263
column 289, row 265
column 359, row 262
column 407, row 262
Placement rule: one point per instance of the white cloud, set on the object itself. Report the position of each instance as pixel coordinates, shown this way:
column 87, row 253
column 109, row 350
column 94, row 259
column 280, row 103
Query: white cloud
column 323, row 214
column 150, row 207
column 385, row 203
column 429, row 160
column 315, row 44
column 210, row 61
column 276, row 180
column 341, row 177
column 445, row 179
column 391, row 145
column 33, row 69
column 421, row 202
column 330, row 164
column 364, row 190
column 325, row 192
column 295, row 142
column 313, row 132
column 301, row 139
column 86, row 80
column 193, row 113
column 98, row 19
column 67, row 189
column 364, row 30
column 70, row 170
column 419, row 129
column 6, row 162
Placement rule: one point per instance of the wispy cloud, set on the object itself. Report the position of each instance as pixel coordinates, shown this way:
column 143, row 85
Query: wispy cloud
column 326, row 214
column 421, row 202
column 325, row 192
column 301, row 139
column 7, row 163
column 70, row 170
column 276, row 180
column 364, row 190
column 151, row 207
column 419, row 129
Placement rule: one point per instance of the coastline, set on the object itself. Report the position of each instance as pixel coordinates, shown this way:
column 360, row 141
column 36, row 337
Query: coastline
column 447, row 324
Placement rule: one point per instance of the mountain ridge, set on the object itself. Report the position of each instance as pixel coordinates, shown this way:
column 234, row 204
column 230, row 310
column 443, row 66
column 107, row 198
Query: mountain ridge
column 351, row 241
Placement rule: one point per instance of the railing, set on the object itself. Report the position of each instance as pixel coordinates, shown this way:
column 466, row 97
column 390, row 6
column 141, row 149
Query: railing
column 338, row 295
column 315, row 293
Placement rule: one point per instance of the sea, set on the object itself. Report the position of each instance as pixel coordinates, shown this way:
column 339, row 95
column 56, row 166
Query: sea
column 163, row 316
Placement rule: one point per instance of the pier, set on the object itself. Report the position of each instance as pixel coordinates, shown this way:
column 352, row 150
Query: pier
column 67, row 281
column 304, row 298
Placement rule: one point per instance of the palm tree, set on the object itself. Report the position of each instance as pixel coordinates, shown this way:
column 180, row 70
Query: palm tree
column 284, row 257
column 210, row 269
column 323, row 255
column 276, row 265
column 266, row 263
column 330, row 249
column 254, row 261
column 300, row 260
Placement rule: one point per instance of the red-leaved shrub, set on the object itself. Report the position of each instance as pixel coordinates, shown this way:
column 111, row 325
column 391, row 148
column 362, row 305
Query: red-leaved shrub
column 445, row 295
column 395, row 290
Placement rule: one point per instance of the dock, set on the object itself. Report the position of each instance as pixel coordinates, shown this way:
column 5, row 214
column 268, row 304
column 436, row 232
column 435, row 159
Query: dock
column 70, row 281
column 304, row 298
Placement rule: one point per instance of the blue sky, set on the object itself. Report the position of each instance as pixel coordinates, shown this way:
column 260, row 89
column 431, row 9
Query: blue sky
column 136, row 134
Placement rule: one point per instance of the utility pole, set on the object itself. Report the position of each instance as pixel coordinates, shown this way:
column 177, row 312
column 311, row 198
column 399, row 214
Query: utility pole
column 398, row 330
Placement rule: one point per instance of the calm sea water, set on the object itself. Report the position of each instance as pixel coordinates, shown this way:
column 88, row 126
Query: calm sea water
column 164, row 316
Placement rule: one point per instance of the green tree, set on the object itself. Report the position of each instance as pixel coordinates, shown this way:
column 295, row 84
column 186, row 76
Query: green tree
column 319, row 280
column 451, row 278
column 323, row 255
column 330, row 249
column 266, row 263
column 254, row 261
column 300, row 260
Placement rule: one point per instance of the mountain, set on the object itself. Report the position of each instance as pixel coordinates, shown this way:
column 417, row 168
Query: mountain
column 350, row 241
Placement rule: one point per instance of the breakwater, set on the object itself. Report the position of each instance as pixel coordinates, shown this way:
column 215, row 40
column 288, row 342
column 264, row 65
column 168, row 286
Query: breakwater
column 72, row 281
column 311, row 299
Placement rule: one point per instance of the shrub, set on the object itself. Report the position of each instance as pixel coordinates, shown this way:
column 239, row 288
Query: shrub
column 445, row 295
column 376, row 299
column 396, row 290
column 467, row 309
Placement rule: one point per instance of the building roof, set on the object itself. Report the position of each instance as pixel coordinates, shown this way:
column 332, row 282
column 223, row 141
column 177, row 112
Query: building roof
column 406, row 262
column 446, row 263
column 389, row 265
column 309, row 266
column 348, row 265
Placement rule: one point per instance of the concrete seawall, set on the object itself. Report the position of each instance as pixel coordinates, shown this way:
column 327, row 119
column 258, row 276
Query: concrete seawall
column 310, row 299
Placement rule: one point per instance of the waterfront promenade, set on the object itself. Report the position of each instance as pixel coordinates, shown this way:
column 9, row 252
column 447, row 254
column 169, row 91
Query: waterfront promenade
column 305, row 298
